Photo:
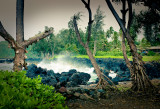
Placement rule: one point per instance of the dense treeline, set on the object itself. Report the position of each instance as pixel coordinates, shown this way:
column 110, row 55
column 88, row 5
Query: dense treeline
column 63, row 43
column 103, row 42
column 108, row 43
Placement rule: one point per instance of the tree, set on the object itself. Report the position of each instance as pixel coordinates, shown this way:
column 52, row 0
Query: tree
column 140, row 81
column 115, row 39
column 19, row 45
column 152, row 4
column 150, row 21
column 97, row 27
column 102, row 82
column 109, row 32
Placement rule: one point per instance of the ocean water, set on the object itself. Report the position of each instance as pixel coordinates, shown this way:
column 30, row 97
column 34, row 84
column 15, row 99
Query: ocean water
column 62, row 65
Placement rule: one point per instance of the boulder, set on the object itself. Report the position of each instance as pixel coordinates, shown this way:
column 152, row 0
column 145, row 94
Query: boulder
column 70, row 73
column 62, row 90
column 63, row 80
column 78, row 78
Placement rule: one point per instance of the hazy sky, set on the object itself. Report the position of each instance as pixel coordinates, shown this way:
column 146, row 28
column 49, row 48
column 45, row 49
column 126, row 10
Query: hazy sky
column 52, row 13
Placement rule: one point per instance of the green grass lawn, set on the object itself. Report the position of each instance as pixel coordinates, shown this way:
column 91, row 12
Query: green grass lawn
column 145, row 58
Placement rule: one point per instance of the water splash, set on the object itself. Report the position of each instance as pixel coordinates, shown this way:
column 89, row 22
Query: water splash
column 64, row 65
column 112, row 74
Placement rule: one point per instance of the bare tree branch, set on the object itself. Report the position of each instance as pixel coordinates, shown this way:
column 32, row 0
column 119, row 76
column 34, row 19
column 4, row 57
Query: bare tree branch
column 37, row 37
column 124, row 11
column 90, row 19
column 7, row 36
column 89, row 2
column 77, row 32
column 116, row 16
column 130, row 14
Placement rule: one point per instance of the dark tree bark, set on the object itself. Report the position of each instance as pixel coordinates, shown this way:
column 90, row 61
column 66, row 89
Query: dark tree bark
column 124, row 11
column 20, row 44
column 102, row 82
column 140, row 81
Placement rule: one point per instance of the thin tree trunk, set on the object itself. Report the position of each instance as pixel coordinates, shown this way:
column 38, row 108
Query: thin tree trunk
column 124, row 11
column 102, row 83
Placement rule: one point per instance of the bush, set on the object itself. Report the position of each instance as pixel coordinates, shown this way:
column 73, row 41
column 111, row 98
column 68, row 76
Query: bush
column 20, row 92
column 151, row 53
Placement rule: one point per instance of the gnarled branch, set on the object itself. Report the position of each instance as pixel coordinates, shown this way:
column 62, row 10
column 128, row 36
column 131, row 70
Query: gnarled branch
column 37, row 37
column 90, row 19
column 116, row 16
column 7, row 36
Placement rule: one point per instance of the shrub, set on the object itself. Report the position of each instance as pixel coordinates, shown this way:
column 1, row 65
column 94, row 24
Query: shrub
column 151, row 53
column 18, row 91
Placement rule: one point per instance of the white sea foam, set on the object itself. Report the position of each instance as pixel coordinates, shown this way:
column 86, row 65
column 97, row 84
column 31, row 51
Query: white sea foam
column 112, row 74
column 63, row 65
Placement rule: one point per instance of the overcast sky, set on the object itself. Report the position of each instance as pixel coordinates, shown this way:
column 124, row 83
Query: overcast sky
column 52, row 13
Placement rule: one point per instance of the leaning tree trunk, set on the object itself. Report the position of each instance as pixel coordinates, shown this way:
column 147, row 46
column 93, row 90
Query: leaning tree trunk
column 102, row 83
column 20, row 44
column 140, row 81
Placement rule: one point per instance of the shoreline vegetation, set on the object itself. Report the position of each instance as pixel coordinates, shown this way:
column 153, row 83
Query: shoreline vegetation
column 145, row 58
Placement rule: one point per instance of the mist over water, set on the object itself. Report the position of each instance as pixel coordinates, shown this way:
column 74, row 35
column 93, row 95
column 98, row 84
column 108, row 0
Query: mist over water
column 6, row 66
column 64, row 65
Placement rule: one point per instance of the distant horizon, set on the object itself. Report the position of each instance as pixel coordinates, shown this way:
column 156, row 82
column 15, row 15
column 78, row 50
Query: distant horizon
column 54, row 13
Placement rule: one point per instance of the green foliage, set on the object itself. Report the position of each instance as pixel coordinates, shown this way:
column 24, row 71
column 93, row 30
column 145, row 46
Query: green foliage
column 6, row 52
column 151, row 53
column 109, row 32
column 150, row 22
column 20, row 92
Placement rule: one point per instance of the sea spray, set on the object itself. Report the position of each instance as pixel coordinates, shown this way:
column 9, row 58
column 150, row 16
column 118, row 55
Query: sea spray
column 64, row 65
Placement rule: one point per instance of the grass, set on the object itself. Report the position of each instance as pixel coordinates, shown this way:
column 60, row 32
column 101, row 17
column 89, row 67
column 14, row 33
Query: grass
column 151, row 58
column 145, row 58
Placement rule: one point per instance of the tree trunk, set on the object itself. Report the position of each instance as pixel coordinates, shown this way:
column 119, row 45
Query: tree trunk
column 102, row 83
column 19, row 59
column 95, row 47
column 124, row 11
column 20, row 44
column 140, row 81
column 19, row 21
column 128, row 64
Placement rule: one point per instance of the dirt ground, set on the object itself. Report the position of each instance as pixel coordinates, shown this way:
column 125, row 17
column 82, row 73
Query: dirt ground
column 119, row 100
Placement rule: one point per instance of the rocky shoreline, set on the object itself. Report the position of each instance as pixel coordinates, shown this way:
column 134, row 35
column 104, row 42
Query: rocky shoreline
column 74, row 84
